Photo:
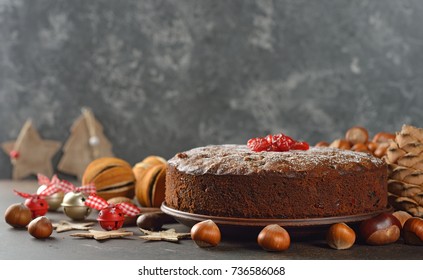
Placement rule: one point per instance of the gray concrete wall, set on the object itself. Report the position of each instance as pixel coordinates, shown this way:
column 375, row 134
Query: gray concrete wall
column 165, row 76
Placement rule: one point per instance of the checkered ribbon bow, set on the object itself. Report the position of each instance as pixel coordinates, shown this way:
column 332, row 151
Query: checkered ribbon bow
column 99, row 203
column 44, row 180
column 52, row 189
column 69, row 187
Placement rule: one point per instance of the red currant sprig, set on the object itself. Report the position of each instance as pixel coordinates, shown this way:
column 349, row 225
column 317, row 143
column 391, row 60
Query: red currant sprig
column 276, row 143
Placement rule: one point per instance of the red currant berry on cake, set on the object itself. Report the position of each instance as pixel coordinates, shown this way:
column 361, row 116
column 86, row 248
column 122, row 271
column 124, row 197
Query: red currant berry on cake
column 300, row 146
column 276, row 143
column 258, row 144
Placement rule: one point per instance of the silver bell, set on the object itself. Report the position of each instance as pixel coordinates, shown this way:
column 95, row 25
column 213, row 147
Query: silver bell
column 74, row 206
column 53, row 200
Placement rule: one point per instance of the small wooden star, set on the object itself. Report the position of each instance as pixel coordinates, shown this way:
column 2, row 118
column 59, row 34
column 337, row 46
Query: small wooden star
column 101, row 235
column 66, row 226
column 165, row 235
column 30, row 154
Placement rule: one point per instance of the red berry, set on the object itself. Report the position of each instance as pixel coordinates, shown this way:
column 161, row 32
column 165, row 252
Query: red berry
column 277, row 143
column 258, row 144
column 300, row 146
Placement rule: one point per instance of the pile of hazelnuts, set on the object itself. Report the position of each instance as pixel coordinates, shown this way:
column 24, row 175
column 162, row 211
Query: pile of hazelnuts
column 18, row 215
column 357, row 139
column 382, row 229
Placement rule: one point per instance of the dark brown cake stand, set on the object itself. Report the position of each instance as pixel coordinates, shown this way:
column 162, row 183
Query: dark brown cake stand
column 250, row 227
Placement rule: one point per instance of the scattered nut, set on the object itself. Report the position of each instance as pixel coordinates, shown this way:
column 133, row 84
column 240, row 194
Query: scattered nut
column 18, row 215
column 381, row 149
column 340, row 144
column 206, row 234
column 413, row 231
column 357, row 139
column 340, row 236
column 322, row 144
column 357, row 134
column 274, row 238
column 383, row 137
column 360, row 147
column 154, row 220
column 372, row 146
column 402, row 216
column 380, row 230
column 40, row 227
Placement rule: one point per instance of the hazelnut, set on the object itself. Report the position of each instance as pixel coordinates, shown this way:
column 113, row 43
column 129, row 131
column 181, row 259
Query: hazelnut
column 206, row 234
column 154, row 220
column 322, row 144
column 274, row 238
column 18, row 215
column 340, row 144
column 40, row 227
column 381, row 149
column 360, row 147
column 357, row 134
column 340, row 236
column 402, row 216
column 413, row 231
column 383, row 137
column 380, row 230
column 372, row 146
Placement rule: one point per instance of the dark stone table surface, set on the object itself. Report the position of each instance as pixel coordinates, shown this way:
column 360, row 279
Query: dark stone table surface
column 20, row 245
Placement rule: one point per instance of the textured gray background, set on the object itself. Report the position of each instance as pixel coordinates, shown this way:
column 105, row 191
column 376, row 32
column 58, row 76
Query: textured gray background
column 165, row 76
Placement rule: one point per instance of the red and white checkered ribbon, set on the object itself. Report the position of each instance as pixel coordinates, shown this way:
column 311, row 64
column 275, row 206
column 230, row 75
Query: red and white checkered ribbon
column 52, row 186
column 99, row 203
column 46, row 192
column 25, row 195
column 69, row 187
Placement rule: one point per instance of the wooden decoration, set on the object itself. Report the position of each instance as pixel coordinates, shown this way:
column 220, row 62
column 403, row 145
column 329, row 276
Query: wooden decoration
column 85, row 144
column 30, row 154
column 165, row 235
column 66, row 226
column 102, row 235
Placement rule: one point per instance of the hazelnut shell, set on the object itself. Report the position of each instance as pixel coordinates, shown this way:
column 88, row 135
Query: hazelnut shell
column 274, row 238
column 357, row 134
column 206, row 234
column 402, row 216
column 40, row 227
column 380, row 230
column 340, row 144
column 340, row 236
column 413, row 231
column 18, row 215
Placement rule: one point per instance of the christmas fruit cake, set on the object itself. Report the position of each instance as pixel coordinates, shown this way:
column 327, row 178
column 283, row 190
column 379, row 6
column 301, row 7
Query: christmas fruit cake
column 235, row 181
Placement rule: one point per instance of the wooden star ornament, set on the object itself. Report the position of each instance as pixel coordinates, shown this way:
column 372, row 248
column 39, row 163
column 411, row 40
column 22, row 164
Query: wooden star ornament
column 66, row 226
column 165, row 235
column 30, row 154
column 101, row 234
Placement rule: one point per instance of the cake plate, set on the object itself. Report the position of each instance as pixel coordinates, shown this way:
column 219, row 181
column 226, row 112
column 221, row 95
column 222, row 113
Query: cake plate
column 250, row 227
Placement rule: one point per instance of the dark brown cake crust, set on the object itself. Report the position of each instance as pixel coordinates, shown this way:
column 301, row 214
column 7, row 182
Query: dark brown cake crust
column 232, row 181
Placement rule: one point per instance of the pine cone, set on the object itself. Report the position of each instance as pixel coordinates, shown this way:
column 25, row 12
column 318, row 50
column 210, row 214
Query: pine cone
column 405, row 180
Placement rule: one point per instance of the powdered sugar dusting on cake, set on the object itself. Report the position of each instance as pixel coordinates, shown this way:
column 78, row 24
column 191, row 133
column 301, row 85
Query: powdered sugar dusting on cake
column 240, row 160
